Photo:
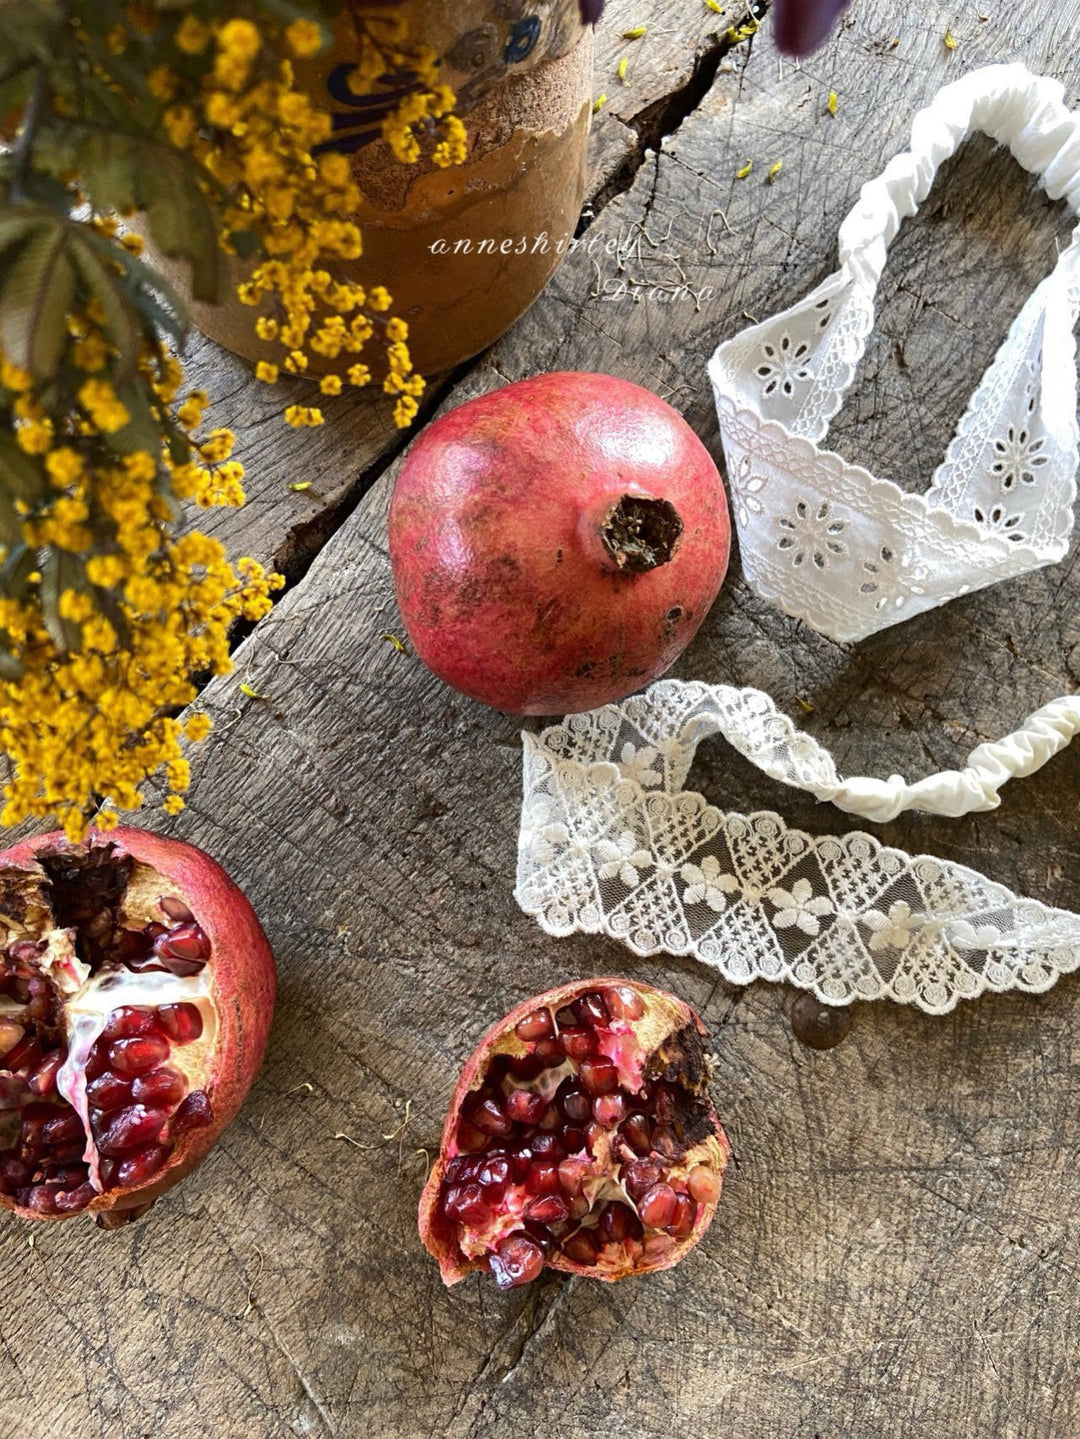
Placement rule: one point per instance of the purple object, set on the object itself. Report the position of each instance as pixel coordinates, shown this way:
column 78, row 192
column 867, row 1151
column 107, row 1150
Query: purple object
column 801, row 26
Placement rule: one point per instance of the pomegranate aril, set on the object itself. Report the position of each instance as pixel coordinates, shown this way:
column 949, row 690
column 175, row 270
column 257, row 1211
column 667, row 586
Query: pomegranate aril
column 609, row 1109
column 658, row 1246
column 682, row 1225
column 40, row 1001
column 546, row 1146
column 14, row 1091
column 549, row 1209
column 195, row 1112
column 640, row 1176
column 70, row 1153
column 525, row 1107
column 185, row 941
column 495, row 1174
column 132, row 1128
column 26, row 1055
column 109, row 1169
column 128, row 1021
column 462, row 1167
column 703, row 1184
column 138, row 1055
column 663, row 1104
column 543, row 1177
column 535, row 1026
column 11, row 1033
column 174, row 908
column 98, row 1061
column 524, row 1066
column 619, row 1222
column 572, row 1174
column 657, row 1206
column 466, row 1202
column 35, row 1116
column 70, row 1201
column 108, row 1091
column 165, row 1087
column 573, row 1101
column 14, row 1172
column 579, row 1206
column 565, row 1017
column 599, row 1075
column 517, row 1260
column 139, row 1167
column 551, row 1119
column 549, row 1052
column 623, row 1002
column 488, row 1117
column 572, row 1139
column 42, row 1199
column 591, row 1009
column 520, row 1164
column 469, row 1138
column 637, row 1131
column 581, row 1247
column 578, row 1043
column 43, row 1079
column 183, row 1023
column 62, row 1129
column 665, row 1142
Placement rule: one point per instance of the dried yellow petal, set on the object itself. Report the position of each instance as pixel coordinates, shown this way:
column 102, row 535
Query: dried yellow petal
column 634, row 34
column 832, row 102
column 774, row 170
column 745, row 171
column 598, row 104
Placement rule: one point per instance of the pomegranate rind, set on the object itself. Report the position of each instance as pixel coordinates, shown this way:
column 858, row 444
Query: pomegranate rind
column 244, row 990
column 666, row 1018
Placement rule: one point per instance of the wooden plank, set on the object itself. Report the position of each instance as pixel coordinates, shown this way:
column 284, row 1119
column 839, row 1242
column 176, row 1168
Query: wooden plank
column 896, row 1247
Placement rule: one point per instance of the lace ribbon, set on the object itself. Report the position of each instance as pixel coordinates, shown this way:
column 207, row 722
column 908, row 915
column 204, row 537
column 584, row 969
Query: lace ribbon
column 611, row 843
column 827, row 541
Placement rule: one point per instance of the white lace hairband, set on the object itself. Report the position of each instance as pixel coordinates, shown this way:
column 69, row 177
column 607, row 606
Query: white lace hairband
column 825, row 540
column 611, row 844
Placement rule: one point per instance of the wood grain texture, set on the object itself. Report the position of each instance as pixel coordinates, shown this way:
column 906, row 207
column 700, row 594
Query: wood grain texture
column 896, row 1251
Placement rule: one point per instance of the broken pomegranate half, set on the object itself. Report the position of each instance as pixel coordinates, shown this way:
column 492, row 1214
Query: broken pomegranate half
column 580, row 1136
column 136, row 991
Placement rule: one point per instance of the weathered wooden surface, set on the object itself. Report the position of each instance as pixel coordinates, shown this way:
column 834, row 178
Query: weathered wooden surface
column 896, row 1251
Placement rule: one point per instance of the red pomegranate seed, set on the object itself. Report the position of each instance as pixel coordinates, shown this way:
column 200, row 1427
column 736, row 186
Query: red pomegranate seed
column 578, row 1043
column 540, row 1236
column 462, row 1167
column 14, row 1172
column 591, row 1009
column 658, row 1246
column 26, row 1055
column 14, row 1091
column 183, row 1023
column 174, row 908
column 35, row 1116
column 132, row 1128
column 657, row 1206
column 161, row 1086
column 685, row 1213
column 573, row 1102
column 703, row 1184
column 10, row 1035
column 663, row 1105
column 543, row 1177
column 637, row 1131
column 195, row 1112
column 469, row 1138
column 599, row 1075
column 467, row 1203
column 579, row 1206
column 619, row 1222
column 549, row 1209
column 98, row 1061
column 70, row 1201
column 665, row 1142
column 108, row 1091
column 62, row 1129
column 43, row 1079
column 572, row 1174
column 128, row 1021
column 495, row 1173
column 524, row 1107
column 641, row 1176
column 139, row 1167
column 524, row 1066
column 551, row 1119
column 546, row 1146
column 186, row 941
column 565, row 1018
column 42, row 1198
column 520, row 1162
column 609, row 1109
column 138, row 1055
column 70, row 1153
column 40, row 1000
column 623, row 1002
column 581, row 1247
column 572, row 1139
column 517, row 1260
column 488, row 1117
column 535, row 1026
column 549, row 1052
column 109, row 1170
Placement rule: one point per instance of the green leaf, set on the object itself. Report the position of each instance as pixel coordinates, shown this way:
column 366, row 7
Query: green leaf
column 184, row 227
column 142, row 432
column 153, row 297
column 20, row 475
column 10, row 521
column 10, row 668
column 122, row 326
column 59, row 572
column 38, row 291
column 16, row 570
column 15, row 226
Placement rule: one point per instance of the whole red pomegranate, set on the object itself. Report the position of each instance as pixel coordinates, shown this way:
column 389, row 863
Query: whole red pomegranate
column 581, row 1136
column 136, row 992
column 557, row 543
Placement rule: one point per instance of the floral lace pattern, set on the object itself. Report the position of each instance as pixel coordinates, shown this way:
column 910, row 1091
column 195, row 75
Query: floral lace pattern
column 827, row 541
column 611, row 844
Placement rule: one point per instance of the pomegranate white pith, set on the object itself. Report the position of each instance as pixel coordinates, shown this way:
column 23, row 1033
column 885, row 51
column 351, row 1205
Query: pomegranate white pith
column 580, row 1136
column 135, row 995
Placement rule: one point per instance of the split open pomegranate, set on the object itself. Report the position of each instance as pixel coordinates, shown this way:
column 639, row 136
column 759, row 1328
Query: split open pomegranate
column 136, row 991
column 580, row 1136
